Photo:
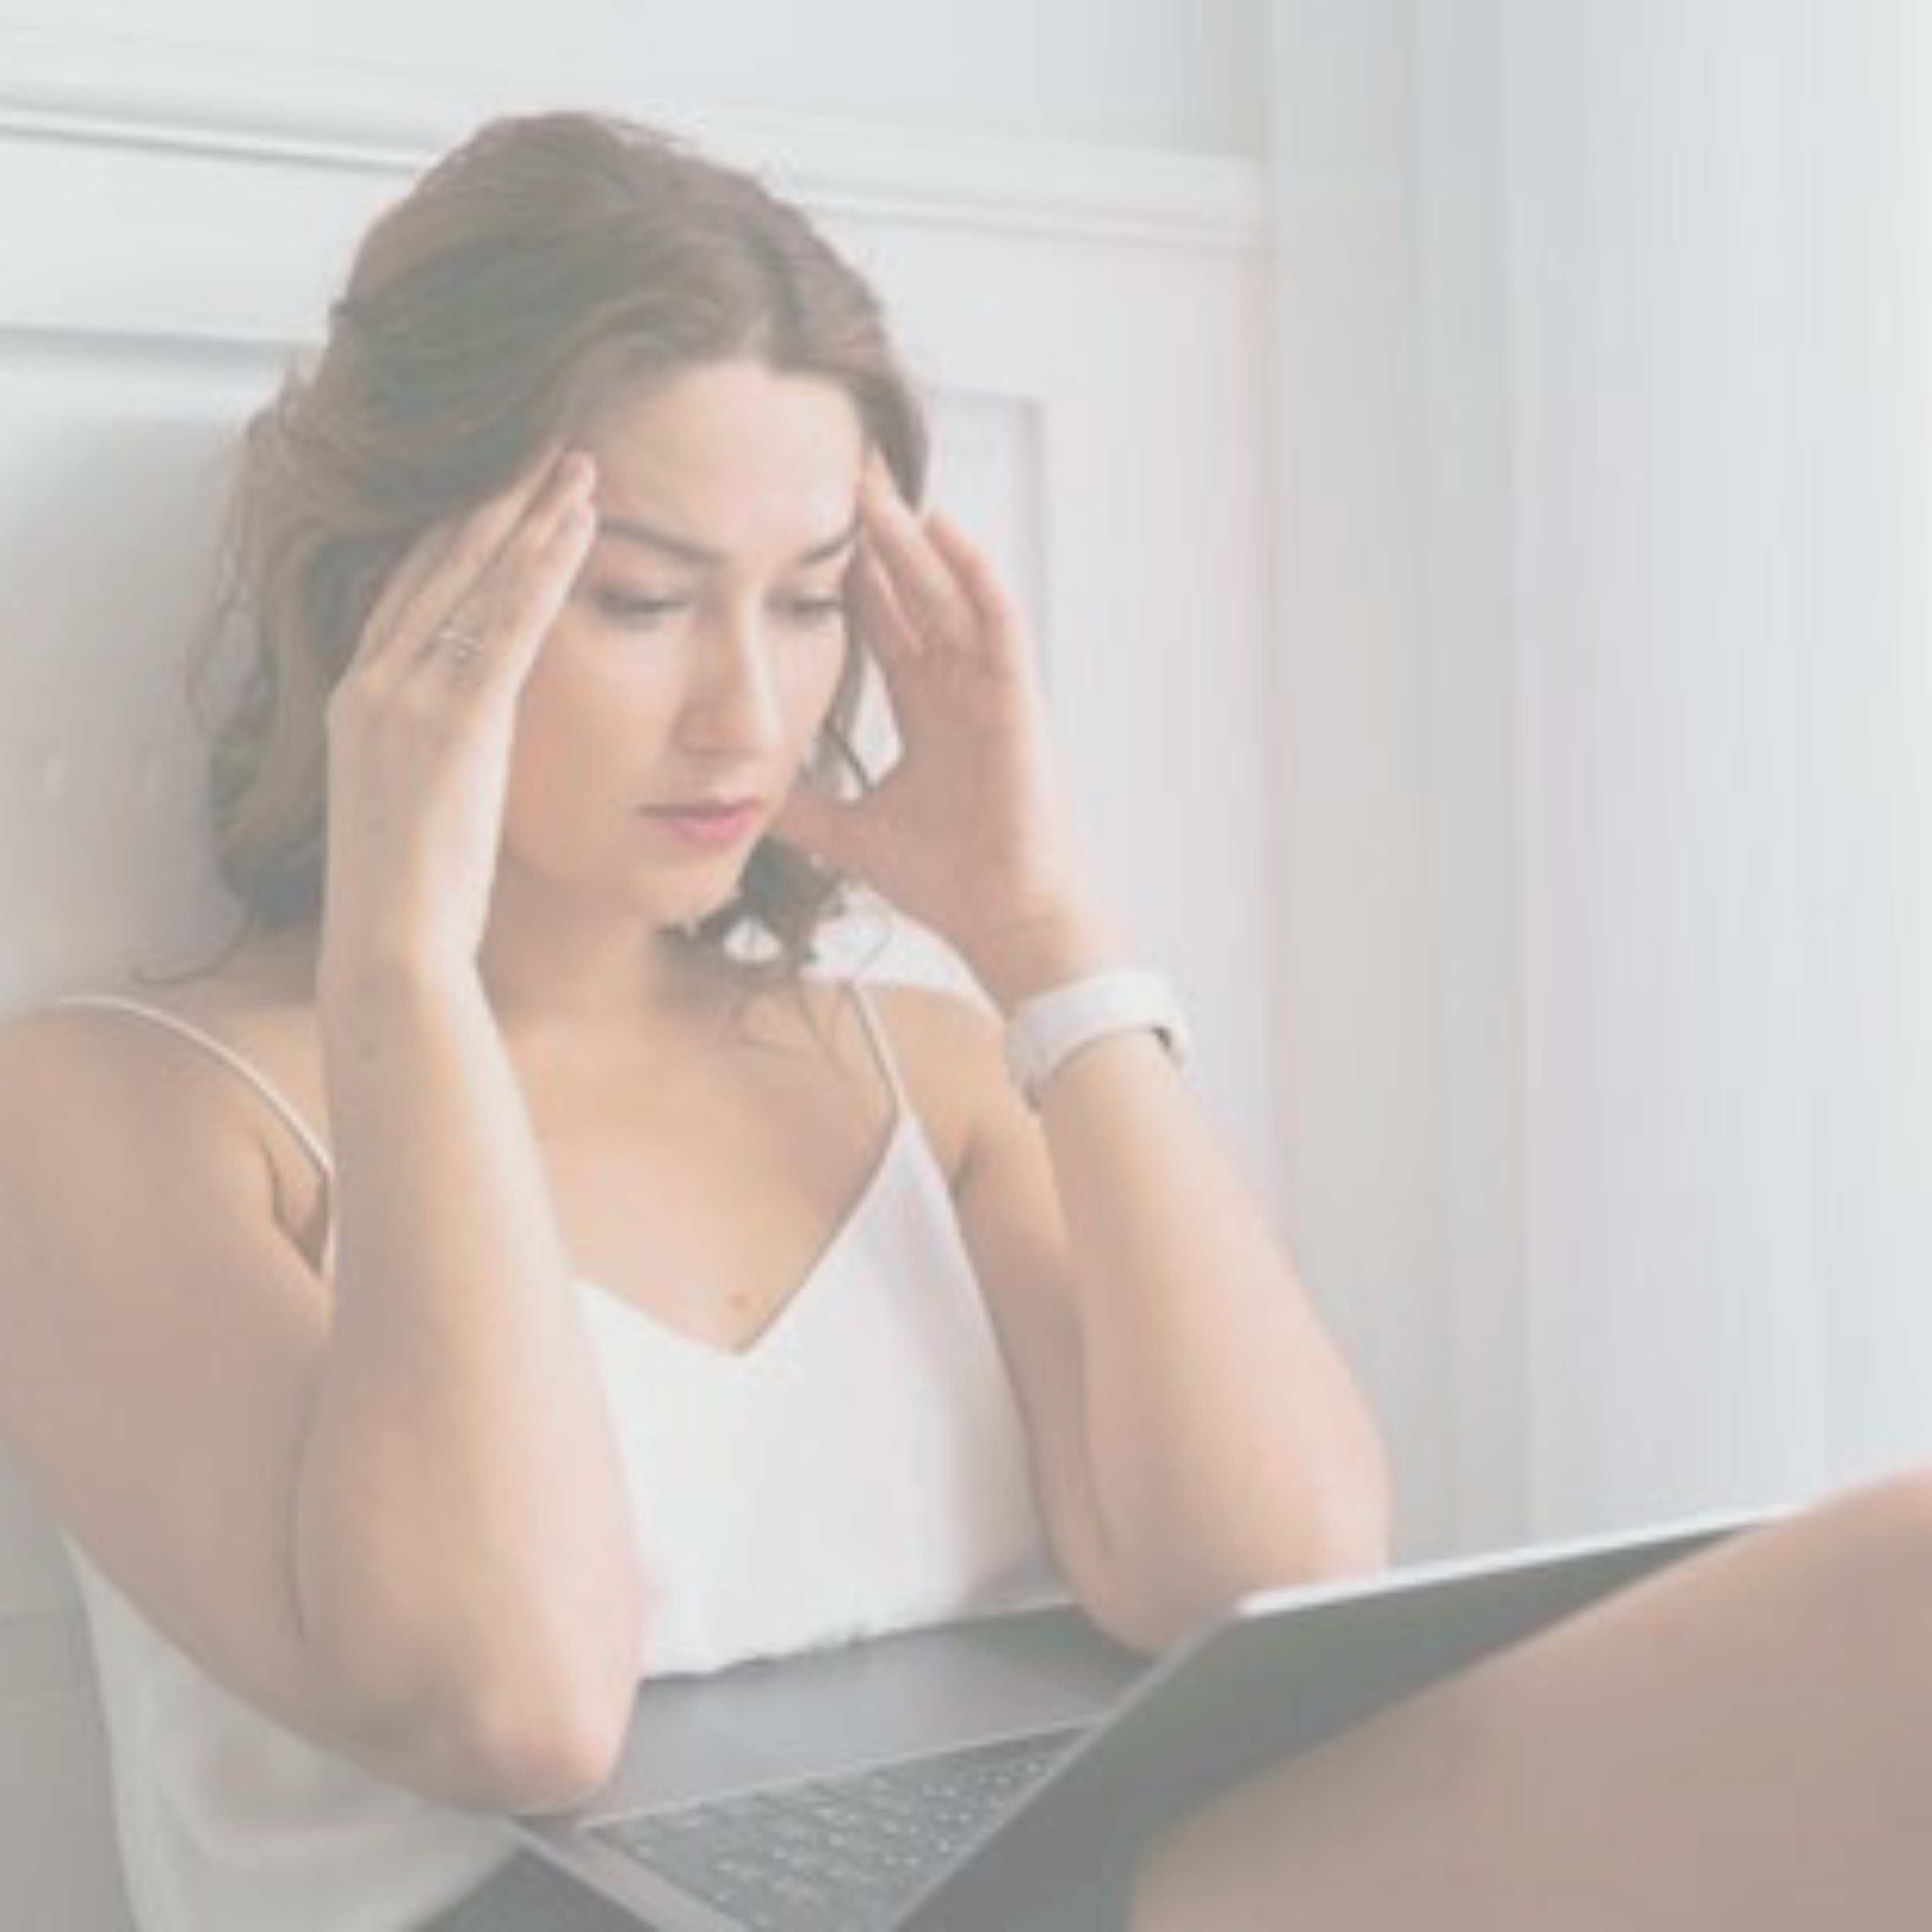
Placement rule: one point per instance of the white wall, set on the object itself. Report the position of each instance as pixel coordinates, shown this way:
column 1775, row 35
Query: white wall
column 1603, row 376
column 1396, row 834
column 1182, row 74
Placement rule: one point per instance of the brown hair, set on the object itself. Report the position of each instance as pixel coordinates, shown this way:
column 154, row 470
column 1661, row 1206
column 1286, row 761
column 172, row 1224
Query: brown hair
column 548, row 260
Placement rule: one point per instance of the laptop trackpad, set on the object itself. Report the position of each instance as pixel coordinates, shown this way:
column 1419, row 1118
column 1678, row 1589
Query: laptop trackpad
column 883, row 1697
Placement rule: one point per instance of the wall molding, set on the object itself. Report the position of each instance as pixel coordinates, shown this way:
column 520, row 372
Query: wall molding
column 157, row 94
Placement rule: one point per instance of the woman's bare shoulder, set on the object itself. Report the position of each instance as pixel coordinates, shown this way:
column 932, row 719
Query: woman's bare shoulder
column 59, row 1059
column 103, row 1102
column 65, row 1029
column 947, row 1044
column 251, row 990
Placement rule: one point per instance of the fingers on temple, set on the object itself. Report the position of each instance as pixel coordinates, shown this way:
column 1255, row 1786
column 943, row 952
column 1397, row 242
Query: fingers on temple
column 894, row 638
column 529, row 582
column 972, row 569
column 456, row 559
column 921, row 581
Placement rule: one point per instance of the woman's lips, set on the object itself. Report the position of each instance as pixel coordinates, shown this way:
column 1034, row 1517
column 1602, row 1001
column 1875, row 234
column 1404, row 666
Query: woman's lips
column 710, row 826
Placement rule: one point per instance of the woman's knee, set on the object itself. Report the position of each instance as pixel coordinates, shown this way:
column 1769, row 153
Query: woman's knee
column 1893, row 1511
column 1876, row 1537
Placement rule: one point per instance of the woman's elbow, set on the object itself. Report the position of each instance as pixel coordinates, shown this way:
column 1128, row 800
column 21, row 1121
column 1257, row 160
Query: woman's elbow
column 554, row 1761
column 505, row 1755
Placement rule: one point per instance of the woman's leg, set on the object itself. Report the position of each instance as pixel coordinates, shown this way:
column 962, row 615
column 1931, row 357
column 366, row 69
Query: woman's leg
column 1741, row 1743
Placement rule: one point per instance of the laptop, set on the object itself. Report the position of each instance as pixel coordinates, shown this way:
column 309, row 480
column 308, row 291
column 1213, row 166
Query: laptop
column 982, row 1776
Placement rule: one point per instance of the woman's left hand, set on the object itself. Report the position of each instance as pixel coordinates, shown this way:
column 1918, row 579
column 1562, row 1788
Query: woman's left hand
column 969, row 832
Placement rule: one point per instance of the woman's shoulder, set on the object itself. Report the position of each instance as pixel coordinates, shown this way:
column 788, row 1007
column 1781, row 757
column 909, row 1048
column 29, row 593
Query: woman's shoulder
column 947, row 1045
column 79, row 1054
column 68, row 1025
column 101, row 1116
column 246, row 998
column 940, row 1018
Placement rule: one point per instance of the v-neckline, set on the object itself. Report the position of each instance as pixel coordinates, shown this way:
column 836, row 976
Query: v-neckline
column 790, row 1311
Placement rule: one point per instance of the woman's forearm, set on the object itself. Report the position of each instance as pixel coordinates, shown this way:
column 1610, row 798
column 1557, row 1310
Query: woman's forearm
column 464, row 1543
column 1230, row 1448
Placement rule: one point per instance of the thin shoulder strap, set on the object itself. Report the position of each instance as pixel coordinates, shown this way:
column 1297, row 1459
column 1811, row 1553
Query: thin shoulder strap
column 294, row 1121
column 882, row 1050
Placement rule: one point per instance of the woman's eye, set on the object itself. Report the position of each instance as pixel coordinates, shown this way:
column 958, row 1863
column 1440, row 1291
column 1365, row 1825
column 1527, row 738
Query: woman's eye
column 819, row 609
column 639, row 613
column 636, row 609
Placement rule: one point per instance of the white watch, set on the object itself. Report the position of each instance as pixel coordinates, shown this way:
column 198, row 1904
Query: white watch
column 1046, row 1027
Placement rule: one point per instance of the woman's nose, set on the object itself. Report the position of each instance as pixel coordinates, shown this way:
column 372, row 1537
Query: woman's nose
column 734, row 693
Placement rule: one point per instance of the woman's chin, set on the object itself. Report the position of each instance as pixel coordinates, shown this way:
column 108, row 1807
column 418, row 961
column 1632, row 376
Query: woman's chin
column 684, row 912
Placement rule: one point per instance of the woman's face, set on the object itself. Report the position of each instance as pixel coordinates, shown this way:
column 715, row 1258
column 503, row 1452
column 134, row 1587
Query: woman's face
column 701, row 644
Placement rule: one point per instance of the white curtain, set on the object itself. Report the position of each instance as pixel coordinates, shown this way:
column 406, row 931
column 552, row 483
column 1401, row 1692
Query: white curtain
column 1605, row 441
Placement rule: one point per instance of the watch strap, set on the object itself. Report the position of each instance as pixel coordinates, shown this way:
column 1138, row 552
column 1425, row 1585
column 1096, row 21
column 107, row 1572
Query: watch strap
column 1045, row 1029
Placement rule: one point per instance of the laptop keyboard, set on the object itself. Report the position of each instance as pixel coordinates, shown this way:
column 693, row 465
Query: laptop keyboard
column 841, row 1852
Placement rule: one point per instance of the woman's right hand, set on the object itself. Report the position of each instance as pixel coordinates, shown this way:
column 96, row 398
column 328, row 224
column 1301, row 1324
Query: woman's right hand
column 419, row 739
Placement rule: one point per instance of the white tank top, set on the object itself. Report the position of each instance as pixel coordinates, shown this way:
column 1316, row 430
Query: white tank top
column 861, row 1467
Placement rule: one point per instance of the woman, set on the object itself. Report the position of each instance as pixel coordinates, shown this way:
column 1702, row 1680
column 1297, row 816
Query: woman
column 488, row 1287
column 645, row 1307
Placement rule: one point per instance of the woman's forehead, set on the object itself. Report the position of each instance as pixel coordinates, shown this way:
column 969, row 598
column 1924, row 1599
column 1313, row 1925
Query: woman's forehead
column 716, row 411
column 751, row 469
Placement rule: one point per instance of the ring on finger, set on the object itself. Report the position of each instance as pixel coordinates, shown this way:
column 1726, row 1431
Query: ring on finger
column 456, row 640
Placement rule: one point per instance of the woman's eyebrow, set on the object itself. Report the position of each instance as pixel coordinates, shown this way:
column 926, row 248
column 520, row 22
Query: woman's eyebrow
column 634, row 530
